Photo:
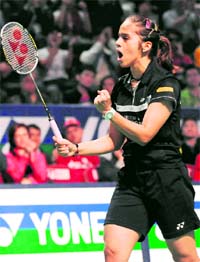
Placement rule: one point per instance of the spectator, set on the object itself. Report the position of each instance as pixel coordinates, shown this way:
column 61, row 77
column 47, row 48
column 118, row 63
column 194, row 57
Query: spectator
column 28, row 90
column 3, row 165
column 104, row 13
column 102, row 54
column 190, row 95
column 25, row 163
column 11, row 9
column 180, row 58
column 81, row 89
column 10, row 83
column 185, row 21
column 160, row 9
column 73, row 19
column 55, row 61
column 146, row 9
column 81, row 168
column 37, row 17
column 191, row 141
column 35, row 135
column 107, row 83
column 128, row 8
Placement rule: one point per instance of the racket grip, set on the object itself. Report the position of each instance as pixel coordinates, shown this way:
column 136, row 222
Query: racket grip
column 55, row 128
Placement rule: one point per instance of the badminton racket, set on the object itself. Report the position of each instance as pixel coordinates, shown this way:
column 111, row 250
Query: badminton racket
column 20, row 52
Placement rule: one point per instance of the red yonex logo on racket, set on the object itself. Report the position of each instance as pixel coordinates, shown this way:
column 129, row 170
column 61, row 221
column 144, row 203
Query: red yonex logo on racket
column 19, row 48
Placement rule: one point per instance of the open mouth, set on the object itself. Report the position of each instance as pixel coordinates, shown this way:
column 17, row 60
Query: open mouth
column 119, row 54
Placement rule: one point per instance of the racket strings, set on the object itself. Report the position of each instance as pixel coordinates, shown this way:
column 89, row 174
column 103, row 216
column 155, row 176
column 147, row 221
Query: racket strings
column 21, row 54
column 19, row 48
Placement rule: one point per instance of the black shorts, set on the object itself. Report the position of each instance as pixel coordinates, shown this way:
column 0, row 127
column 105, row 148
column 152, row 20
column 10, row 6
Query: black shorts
column 162, row 196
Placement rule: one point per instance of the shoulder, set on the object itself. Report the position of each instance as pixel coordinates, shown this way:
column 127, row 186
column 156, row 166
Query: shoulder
column 156, row 76
column 169, row 13
column 170, row 81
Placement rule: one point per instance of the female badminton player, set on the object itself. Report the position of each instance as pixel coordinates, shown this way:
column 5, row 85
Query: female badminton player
column 144, row 112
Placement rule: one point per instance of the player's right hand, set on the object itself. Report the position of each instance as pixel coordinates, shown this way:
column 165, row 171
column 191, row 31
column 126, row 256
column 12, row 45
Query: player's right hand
column 64, row 146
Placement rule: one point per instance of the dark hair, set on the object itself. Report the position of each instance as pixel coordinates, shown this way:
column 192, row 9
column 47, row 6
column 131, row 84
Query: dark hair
column 11, row 134
column 161, row 46
column 189, row 118
column 34, row 126
column 83, row 67
column 105, row 78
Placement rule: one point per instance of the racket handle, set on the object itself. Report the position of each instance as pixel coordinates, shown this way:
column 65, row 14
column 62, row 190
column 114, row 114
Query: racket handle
column 55, row 128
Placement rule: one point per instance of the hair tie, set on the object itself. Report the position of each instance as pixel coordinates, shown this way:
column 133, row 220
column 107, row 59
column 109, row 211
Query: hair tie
column 148, row 23
column 156, row 28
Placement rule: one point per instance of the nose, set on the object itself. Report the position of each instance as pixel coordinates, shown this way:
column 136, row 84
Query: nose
column 117, row 42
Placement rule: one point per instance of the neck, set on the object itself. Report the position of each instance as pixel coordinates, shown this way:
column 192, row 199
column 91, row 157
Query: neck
column 21, row 152
column 136, row 79
column 191, row 141
column 138, row 69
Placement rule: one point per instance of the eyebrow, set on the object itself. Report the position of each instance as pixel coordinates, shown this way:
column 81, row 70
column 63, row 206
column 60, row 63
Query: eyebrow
column 123, row 35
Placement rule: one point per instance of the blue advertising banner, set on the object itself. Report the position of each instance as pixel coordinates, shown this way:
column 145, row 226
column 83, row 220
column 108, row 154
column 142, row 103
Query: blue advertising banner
column 89, row 117
column 91, row 120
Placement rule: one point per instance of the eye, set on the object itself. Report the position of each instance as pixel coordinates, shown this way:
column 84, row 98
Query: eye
column 124, row 36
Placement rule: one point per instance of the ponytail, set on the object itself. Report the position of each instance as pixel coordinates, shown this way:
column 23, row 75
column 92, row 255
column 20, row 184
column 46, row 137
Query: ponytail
column 164, row 53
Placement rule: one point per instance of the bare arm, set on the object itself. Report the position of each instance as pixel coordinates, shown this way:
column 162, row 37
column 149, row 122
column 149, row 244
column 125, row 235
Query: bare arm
column 154, row 118
column 102, row 145
column 152, row 122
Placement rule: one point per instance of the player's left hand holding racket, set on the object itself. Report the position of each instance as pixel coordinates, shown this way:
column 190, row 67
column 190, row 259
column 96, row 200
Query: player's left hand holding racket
column 21, row 54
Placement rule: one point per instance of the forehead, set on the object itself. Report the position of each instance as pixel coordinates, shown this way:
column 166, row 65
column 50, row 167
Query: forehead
column 108, row 80
column 128, row 28
column 87, row 73
column 34, row 130
column 72, row 128
column 190, row 122
column 21, row 130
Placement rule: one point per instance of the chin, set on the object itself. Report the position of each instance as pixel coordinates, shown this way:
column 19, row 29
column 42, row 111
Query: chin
column 123, row 65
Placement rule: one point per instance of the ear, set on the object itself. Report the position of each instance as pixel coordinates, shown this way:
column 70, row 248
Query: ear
column 146, row 46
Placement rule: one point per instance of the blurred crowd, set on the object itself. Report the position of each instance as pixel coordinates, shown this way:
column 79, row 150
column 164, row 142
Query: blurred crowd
column 77, row 57
column 25, row 162
column 76, row 46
